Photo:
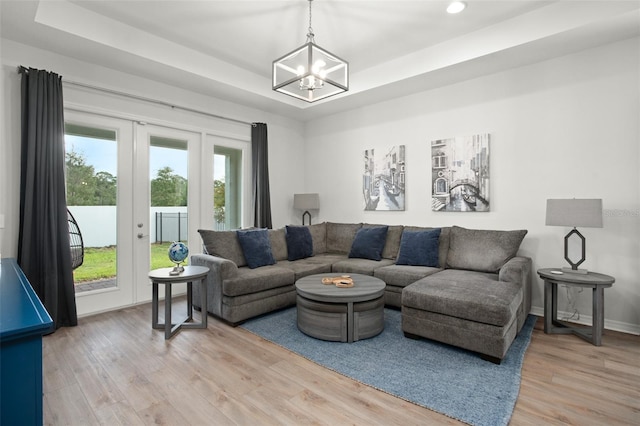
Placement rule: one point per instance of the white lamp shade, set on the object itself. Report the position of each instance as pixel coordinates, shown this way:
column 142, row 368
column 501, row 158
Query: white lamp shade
column 575, row 212
column 306, row 201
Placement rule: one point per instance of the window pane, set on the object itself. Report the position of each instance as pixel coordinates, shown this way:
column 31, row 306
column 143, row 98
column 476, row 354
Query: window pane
column 227, row 195
column 91, row 179
column 168, row 164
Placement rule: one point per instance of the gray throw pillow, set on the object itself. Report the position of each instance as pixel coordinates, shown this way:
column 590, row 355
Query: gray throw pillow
column 223, row 244
column 278, row 243
column 319, row 237
column 340, row 236
column 482, row 250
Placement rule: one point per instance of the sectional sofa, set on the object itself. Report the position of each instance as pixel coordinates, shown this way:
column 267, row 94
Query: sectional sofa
column 464, row 287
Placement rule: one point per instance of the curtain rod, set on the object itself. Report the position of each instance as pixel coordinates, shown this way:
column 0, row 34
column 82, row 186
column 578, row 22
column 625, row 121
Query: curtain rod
column 24, row 70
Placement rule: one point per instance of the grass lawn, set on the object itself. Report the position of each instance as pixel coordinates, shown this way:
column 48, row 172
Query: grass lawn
column 100, row 262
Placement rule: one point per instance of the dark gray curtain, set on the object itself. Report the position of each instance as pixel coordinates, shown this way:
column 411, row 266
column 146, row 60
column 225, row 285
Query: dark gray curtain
column 260, row 176
column 43, row 243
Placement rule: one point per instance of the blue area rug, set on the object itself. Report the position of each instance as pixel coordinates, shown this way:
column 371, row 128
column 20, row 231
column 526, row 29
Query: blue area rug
column 451, row 381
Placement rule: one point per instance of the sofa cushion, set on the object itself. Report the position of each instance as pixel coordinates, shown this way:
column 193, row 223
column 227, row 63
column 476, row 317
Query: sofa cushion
column 469, row 295
column 299, row 242
column 319, row 237
column 392, row 245
column 340, row 236
column 249, row 281
column 256, row 247
column 304, row 267
column 278, row 244
column 369, row 243
column 403, row 275
column 482, row 250
column 359, row 266
column 419, row 248
column 223, row 244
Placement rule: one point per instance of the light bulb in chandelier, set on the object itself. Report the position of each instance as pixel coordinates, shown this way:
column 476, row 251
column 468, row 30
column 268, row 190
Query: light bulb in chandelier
column 318, row 67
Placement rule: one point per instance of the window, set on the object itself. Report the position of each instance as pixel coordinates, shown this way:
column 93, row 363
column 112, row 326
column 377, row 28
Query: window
column 439, row 161
column 227, row 188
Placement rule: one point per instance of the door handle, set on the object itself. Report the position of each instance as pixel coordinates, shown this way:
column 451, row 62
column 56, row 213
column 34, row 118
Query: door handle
column 141, row 235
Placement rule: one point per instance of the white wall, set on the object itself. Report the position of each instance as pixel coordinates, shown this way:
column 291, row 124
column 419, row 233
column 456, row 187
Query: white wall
column 567, row 127
column 285, row 135
column 563, row 128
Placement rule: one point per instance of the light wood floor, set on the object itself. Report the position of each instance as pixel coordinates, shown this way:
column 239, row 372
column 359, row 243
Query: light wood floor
column 114, row 369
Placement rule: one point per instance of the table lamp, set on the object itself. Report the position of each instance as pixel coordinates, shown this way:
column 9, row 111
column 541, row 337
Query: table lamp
column 574, row 212
column 306, row 202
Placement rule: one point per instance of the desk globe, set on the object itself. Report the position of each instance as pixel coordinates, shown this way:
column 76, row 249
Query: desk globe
column 178, row 252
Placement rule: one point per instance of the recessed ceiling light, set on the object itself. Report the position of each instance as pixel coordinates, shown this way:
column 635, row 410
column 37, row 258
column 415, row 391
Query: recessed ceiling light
column 456, row 7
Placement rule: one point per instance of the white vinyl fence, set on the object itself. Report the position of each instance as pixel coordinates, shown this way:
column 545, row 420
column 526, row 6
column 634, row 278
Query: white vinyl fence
column 98, row 224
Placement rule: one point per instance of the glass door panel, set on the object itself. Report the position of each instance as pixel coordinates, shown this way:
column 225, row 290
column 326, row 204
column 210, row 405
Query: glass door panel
column 162, row 189
column 98, row 161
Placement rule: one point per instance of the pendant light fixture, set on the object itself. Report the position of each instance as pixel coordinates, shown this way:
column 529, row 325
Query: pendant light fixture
column 310, row 72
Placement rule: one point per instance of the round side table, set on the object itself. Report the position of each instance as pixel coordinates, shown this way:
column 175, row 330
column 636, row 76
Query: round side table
column 597, row 282
column 338, row 314
column 163, row 276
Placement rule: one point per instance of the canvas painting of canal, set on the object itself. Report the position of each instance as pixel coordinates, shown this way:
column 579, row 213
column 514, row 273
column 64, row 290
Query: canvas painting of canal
column 460, row 174
column 383, row 181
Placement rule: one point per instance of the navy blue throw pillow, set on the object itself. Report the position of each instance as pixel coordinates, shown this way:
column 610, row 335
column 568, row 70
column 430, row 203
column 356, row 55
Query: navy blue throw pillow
column 369, row 243
column 299, row 242
column 256, row 247
column 419, row 248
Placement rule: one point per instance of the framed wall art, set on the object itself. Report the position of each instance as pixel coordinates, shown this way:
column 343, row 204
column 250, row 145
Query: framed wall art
column 383, row 181
column 460, row 174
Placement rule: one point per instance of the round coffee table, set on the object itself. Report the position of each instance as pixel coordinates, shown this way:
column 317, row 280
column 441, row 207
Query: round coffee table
column 340, row 314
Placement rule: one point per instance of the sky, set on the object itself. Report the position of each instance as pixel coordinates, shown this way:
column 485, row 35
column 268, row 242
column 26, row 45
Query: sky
column 102, row 155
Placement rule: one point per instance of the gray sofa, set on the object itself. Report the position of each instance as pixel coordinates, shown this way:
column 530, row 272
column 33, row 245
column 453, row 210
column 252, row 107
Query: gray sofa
column 477, row 296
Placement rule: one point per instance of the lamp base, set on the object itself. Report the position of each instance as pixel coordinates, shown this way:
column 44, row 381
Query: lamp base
column 306, row 213
column 575, row 271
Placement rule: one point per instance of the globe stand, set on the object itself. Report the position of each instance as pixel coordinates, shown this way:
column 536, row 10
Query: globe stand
column 177, row 270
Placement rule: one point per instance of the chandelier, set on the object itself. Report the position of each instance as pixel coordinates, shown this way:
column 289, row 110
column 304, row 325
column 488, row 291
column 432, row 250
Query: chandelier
column 310, row 72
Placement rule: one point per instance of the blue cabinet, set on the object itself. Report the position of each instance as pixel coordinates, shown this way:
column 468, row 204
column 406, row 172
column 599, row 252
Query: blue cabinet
column 23, row 321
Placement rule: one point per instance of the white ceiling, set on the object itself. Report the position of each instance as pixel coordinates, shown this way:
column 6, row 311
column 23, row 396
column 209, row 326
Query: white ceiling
column 394, row 47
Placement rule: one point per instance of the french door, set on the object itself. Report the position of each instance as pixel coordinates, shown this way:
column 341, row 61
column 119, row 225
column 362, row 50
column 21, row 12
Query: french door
column 166, row 203
column 133, row 188
column 100, row 150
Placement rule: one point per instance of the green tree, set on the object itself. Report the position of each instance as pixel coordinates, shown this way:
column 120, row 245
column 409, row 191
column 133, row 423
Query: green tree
column 106, row 189
column 218, row 200
column 168, row 189
column 80, row 179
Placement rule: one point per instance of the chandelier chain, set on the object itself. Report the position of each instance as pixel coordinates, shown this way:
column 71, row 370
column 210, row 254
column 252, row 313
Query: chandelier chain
column 310, row 35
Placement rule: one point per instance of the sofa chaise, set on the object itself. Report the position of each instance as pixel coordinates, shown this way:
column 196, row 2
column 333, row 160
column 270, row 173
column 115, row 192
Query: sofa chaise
column 463, row 287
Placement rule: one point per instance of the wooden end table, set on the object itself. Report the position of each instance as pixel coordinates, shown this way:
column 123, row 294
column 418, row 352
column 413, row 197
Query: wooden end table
column 597, row 282
column 190, row 274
